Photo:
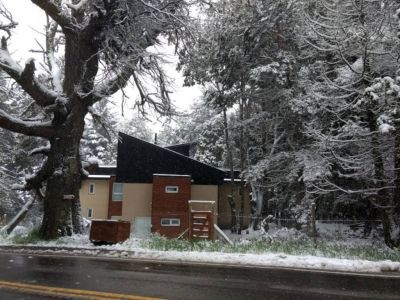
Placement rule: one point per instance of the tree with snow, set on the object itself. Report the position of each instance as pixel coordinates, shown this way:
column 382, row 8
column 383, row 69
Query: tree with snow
column 247, row 58
column 99, row 141
column 93, row 49
column 355, row 46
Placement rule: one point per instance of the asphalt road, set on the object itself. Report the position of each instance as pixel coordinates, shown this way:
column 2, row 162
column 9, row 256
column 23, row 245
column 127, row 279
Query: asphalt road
column 35, row 276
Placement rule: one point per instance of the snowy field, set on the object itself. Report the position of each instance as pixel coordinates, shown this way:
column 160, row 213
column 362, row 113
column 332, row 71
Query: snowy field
column 278, row 248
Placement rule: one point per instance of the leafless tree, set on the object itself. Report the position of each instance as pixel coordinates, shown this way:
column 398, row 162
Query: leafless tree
column 93, row 49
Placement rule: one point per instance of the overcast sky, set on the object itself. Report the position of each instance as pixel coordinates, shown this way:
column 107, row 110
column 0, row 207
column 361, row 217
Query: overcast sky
column 31, row 21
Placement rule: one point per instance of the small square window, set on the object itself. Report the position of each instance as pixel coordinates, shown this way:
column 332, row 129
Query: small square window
column 118, row 192
column 90, row 213
column 173, row 189
column 164, row 222
column 175, row 222
column 91, row 188
column 170, row 222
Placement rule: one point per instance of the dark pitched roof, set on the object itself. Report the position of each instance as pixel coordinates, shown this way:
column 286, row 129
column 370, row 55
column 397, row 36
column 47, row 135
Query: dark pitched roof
column 101, row 170
column 138, row 160
column 105, row 170
column 236, row 173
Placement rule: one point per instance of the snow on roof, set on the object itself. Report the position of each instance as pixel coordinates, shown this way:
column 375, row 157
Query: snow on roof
column 182, row 144
column 107, row 166
column 99, row 176
column 235, row 180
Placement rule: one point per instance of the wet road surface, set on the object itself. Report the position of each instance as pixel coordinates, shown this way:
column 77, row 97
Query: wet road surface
column 35, row 276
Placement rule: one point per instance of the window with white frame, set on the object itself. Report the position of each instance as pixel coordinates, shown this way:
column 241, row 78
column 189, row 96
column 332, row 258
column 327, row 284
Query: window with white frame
column 91, row 188
column 118, row 192
column 90, row 213
column 173, row 189
column 170, row 222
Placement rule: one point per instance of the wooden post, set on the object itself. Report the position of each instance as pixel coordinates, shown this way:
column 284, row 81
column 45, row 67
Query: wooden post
column 4, row 220
column 313, row 224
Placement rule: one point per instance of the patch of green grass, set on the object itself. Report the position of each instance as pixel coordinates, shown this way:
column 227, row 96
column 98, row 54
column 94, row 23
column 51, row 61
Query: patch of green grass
column 302, row 246
column 31, row 238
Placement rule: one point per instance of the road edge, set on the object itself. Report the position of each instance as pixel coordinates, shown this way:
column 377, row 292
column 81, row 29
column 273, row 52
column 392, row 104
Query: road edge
column 107, row 254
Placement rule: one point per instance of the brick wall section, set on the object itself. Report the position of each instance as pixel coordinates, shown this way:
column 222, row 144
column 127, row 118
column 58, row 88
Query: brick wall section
column 114, row 207
column 170, row 205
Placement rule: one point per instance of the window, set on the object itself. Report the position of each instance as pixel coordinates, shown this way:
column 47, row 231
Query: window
column 171, row 189
column 91, row 188
column 90, row 213
column 117, row 192
column 170, row 222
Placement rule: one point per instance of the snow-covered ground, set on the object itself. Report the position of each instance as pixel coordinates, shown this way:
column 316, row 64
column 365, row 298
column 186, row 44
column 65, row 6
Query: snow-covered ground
column 136, row 248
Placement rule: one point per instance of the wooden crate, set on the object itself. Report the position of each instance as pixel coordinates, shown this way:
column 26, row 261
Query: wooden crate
column 109, row 231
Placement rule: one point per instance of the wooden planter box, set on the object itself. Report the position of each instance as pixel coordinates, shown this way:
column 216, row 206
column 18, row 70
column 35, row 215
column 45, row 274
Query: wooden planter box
column 109, row 231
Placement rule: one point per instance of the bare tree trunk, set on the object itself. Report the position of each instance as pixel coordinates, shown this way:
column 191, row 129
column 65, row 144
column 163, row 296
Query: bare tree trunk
column 384, row 201
column 313, row 223
column 258, row 197
column 231, row 199
column 61, row 202
column 242, row 164
column 76, row 216
column 393, row 213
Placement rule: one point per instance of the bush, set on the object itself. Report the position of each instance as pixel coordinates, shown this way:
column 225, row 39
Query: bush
column 30, row 238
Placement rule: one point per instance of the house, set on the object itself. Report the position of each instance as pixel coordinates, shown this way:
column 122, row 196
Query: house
column 151, row 187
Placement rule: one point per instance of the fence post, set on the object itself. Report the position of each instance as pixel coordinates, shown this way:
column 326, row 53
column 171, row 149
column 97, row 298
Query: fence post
column 313, row 224
column 4, row 220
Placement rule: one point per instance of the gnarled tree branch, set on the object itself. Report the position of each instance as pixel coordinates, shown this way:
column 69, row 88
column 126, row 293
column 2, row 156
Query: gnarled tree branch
column 30, row 128
column 40, row 151
column 112, row 85
column 54, row 11
column 26, row 77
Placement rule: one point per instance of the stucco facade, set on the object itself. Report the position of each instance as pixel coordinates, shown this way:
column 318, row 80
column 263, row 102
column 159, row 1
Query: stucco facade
column 137, row 200
column 204, row 192
column 97, row 201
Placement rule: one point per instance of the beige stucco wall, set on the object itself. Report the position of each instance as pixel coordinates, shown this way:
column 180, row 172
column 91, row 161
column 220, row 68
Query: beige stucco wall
column 204, row 192
column 137, row 200
column 97, row 201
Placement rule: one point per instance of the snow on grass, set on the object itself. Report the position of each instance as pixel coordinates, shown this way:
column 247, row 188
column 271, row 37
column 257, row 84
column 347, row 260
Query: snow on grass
column 279, row 248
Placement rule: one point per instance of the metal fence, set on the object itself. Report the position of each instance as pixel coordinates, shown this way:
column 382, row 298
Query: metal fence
column 325, row 227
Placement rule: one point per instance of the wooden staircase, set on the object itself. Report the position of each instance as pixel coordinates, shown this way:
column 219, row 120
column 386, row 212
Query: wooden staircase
column 201, row 225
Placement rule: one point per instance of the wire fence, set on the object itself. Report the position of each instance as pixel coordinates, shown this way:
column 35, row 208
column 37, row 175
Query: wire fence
column 325, row 227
